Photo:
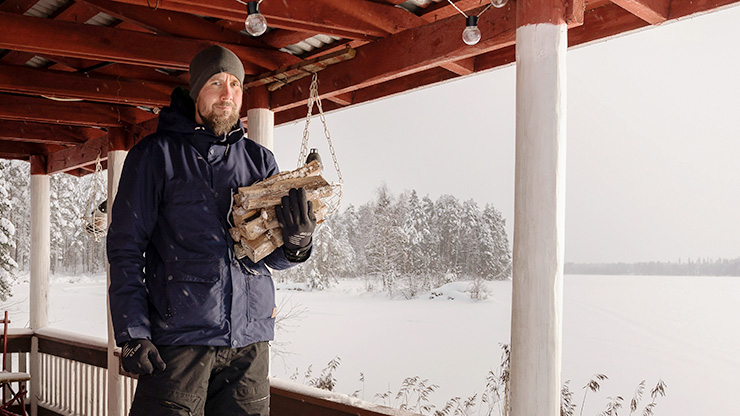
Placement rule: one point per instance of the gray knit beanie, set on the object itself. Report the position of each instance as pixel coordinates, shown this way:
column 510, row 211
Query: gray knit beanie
column 211, row 61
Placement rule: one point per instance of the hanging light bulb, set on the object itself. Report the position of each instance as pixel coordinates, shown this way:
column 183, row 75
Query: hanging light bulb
column 499, row 3
column 256, row 24
column 471, row 34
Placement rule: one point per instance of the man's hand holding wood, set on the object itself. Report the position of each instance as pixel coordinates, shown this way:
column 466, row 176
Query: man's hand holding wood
column 297, row 221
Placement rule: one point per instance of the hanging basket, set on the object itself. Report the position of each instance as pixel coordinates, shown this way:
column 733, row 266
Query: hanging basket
column 95, row 222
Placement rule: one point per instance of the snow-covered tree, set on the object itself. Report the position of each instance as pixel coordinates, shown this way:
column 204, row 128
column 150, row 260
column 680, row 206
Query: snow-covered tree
column 18, row 176
column 386, row 249
column 496, row 251
column 7, row 235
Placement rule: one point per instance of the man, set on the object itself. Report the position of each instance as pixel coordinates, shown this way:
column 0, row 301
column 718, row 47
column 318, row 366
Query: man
column 193, row 320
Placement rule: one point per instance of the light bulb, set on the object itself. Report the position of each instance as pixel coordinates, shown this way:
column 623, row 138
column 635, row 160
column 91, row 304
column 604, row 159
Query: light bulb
column 499, row 3
column 256, row 24
column 471, row 34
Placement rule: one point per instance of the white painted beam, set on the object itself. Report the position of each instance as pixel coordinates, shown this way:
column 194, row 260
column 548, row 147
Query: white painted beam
column 537, row 296
column 261, row 126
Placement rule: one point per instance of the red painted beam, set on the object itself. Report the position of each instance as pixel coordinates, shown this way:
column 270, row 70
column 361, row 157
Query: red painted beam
column 78, row 156
column 45, row 133
column 16, row 150
column 70, row 113
column 372, row 93
column 412, row 50
column 32, row 81
column 172, row 23
column 16, row 6
column 301, row 16
column 44, row 36
column 654, row 12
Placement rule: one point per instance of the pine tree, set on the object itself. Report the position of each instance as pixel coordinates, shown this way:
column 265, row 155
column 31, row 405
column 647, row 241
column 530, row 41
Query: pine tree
column 18, row 177
column 7, row 235
column 385, row 251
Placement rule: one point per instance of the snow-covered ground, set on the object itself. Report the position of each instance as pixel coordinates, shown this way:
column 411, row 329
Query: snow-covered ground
column 683, row 330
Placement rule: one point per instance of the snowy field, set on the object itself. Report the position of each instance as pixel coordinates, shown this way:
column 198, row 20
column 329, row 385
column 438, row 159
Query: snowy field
column 683, row 330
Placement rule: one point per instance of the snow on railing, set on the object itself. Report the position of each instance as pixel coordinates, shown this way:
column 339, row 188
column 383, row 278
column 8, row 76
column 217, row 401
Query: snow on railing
column 73, row 374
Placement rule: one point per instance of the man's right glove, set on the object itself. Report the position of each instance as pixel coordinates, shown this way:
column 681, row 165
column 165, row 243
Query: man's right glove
column 140, row 356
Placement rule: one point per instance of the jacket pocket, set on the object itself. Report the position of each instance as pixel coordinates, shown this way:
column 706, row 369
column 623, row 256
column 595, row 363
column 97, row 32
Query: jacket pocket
column 195, row 296
column 261, row 297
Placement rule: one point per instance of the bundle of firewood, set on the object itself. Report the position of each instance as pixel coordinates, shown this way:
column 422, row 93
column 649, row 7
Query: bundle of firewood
column 257, row 232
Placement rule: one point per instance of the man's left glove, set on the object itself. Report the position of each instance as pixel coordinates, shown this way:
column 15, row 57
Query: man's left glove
column 297, row 220
column 140, row 356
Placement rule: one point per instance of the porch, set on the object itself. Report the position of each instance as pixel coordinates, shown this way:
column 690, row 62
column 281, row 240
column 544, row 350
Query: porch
column 72, row 379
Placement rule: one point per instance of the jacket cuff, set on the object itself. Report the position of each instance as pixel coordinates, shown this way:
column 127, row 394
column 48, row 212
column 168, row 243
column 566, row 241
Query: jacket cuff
column 298, row 255
column 133, row 332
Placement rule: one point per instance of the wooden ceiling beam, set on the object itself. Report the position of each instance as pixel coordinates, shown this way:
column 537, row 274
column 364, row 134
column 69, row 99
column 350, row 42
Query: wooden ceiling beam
column 17, row 6
column 44, row 36
column 654, row 12
column 42, row 110
column 604, row 22
column 77, row 157
column 171, row 23
column 386, row 89
column 300, row 16
column 683, row 8
column 31, row 81
column 413, row 50
column 21, row 151
column 388, row 18
column 464, row 66
column 46, row 133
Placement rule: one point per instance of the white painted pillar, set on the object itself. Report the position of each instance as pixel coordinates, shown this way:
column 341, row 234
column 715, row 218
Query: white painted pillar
column 115, row 380
column 40, row 262
column 260, row 119
column 537, row 298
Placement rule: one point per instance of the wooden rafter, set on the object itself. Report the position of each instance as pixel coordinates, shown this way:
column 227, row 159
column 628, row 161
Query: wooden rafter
column 654, row 12
column 172, row 23
column 45, row 133
column 57, row 84
column 46, row 36
column 413, row 50
column 43, row 110
column 302, row 16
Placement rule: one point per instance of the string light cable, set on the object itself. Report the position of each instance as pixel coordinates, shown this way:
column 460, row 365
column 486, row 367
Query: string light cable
column 255, row 23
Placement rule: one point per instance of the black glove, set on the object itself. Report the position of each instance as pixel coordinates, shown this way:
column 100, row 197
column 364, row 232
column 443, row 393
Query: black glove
column 140, row 356
column 296, row 218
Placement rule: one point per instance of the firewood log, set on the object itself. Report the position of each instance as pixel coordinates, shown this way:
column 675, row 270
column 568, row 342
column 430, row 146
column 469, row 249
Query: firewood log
column 256, row 232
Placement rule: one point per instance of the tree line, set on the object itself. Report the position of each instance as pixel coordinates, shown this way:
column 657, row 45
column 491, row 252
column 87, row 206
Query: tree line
column 696, row 267
column 406, row 244
column 73, row 250
column 403, row 244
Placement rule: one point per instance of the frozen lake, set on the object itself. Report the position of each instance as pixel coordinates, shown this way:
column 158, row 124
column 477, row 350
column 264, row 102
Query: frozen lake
column 682, row 330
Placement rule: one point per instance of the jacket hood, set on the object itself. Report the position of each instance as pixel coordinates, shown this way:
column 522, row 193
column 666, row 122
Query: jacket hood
column 179, row 117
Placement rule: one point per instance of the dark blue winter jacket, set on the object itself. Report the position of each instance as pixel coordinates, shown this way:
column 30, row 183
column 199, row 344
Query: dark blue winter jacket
column 174, row 277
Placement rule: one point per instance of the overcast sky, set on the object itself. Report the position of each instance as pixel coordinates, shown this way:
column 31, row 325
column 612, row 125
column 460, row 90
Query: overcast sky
column 653, row 147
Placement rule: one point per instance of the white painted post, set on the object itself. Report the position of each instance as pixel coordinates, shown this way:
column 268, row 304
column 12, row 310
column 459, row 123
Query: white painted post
column 260, row 119
column 115, row 381
column 261, row 126
column 40, row 262
column 537, row 298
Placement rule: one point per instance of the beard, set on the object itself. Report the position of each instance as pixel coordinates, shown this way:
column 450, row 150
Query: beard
column 220, row 124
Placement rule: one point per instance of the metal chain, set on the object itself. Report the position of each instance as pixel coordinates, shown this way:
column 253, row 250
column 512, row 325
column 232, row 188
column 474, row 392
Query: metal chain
column 314, row 98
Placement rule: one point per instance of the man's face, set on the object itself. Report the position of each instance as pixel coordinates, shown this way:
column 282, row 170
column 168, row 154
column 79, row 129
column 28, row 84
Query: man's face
column 219, row 102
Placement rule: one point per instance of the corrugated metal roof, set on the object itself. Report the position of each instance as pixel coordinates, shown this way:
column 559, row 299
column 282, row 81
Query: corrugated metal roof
column 102, row 19
column 44, row 8
column 307, row 45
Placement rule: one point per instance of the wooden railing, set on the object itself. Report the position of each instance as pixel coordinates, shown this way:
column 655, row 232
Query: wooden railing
column 73, row 381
